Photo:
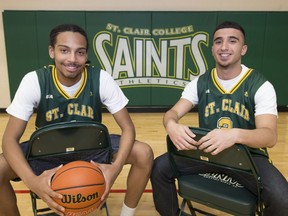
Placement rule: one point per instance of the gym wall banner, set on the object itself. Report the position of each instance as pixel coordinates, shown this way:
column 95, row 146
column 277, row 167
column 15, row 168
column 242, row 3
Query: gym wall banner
column 151, row 55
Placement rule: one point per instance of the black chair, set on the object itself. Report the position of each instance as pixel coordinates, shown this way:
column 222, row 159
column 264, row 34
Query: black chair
column 206, row 189
column 67, row 138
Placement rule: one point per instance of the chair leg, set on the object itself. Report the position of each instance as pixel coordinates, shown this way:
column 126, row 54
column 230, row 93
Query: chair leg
column 189, row 204
column 34, row 203
column 191, row 208
column 35, row 210
column 106, row 208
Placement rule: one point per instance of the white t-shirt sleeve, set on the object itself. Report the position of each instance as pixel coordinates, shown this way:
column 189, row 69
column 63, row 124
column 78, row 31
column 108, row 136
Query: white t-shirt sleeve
column 110, row 93
column 190, row 92
column 266, row 100
column 26, row 98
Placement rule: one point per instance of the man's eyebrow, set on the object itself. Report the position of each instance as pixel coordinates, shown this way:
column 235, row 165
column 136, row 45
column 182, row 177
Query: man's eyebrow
column 80, row 48
column 60, row 45
column 218, row 38
column 63, row 46
column 233, row 37
column 230, row 37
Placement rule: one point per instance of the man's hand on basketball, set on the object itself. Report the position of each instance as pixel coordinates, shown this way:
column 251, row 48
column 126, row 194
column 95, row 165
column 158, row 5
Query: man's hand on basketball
column 41, row 186
column 181, row 136
column 217, row 140
column 110, row 172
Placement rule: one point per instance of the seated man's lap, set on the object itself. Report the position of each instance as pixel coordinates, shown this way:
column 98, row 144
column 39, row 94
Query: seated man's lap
column 46, row 163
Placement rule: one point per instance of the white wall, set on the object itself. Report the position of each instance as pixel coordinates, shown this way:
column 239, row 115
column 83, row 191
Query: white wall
column 123, row 5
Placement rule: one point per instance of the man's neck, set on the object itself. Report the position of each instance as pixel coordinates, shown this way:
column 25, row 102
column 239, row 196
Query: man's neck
column 227, row 73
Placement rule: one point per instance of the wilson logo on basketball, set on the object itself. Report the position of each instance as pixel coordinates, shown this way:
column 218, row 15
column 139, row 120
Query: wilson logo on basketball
column 81, row 184
column 78, row 198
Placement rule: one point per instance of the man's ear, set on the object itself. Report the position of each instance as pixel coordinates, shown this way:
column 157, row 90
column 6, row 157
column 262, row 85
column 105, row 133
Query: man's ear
column 244, row 50
column 51, row 52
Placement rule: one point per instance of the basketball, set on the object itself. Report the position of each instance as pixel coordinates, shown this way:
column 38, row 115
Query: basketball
column 82, row 184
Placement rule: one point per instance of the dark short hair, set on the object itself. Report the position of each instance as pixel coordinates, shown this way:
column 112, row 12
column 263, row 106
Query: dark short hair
column 230, row 24
column 66, row 28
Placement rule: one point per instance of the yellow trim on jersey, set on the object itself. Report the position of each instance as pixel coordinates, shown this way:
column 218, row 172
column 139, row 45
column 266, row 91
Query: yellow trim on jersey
column 62, row 91
column 215, row 81
column 221, row 89
column 83, row 83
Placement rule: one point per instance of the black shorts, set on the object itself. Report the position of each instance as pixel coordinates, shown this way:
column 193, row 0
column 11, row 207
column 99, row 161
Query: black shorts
column 40, row 165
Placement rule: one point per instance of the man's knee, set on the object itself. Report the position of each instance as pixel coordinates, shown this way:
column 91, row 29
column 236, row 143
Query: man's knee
column 161, row 166
column 162, row 161
column 146, row 153
column 142, row 153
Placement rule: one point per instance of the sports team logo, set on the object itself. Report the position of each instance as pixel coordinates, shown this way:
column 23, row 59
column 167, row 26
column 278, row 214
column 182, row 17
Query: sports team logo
column 141, row 57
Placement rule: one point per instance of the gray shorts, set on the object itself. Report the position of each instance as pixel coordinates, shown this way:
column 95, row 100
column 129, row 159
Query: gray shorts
column 40, row 165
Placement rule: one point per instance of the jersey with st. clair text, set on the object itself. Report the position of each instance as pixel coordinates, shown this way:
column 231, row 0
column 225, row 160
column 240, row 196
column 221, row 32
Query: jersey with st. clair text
column 57, row 106
column 234, row 109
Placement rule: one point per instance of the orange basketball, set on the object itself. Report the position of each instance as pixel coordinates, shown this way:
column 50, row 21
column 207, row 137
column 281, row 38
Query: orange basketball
column 82, row 184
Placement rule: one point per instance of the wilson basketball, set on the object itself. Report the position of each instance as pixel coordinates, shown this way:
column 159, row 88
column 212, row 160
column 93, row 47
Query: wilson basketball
column 82, row 184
